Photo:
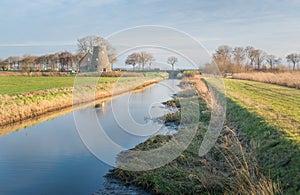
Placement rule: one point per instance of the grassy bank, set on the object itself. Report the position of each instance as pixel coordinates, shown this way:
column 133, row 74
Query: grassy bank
column 12, row 85
column 269, row 115
column 28, row 97
column 229, row 168
column 289, row 79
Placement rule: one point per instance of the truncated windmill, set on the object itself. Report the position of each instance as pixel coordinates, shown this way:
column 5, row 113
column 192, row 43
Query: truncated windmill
column 100, row 60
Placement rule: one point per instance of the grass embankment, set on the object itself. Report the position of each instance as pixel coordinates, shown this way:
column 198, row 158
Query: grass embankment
column 229, row 168
column 27, row 97
column 16, row 85
column 289, row 79
column 270, row 116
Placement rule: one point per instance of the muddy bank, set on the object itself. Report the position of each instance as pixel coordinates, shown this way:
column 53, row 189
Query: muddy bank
column 17, row 108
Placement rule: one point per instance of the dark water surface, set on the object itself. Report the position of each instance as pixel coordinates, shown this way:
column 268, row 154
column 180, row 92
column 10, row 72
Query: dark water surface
column 51, row 158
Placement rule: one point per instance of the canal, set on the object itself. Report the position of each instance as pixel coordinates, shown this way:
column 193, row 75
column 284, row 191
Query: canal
column 58, row 156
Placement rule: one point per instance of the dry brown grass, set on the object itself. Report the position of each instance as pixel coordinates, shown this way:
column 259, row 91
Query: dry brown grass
column 34, row 74
column 289, row 79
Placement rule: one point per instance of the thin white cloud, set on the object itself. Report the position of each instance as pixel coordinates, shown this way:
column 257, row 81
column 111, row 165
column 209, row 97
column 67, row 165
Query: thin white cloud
column 40, row 44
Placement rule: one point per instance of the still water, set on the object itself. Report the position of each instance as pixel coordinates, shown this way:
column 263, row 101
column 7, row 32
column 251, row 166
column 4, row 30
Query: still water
column 52, row 157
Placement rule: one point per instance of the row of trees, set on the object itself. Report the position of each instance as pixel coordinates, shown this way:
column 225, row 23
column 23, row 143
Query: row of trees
column 239, row 59
column 65, row 61
column 139, row 58
column 61, row 61
column 143, row 58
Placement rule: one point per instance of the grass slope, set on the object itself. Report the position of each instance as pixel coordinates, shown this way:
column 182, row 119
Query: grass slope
column 229, row 168
column 270, row 116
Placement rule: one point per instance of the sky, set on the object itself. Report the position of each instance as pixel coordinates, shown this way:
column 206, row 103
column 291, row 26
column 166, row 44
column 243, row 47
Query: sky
column 46, row 26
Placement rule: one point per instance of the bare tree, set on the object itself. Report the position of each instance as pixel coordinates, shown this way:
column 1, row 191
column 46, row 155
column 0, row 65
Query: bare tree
column 222, row 58
column 53, row 61
column 65, row 60
column 172, row 60
column 76, row 59
column 43, row 60
column 260, row 57
column 294, row 59
column 88, row 43
column 151, row 59
column 251, row 54
column 272, row 60
column 223, row 53
column 28, row 62
column 132, row 59
column 13, row 61
column 239, row 55
column 144, row 58
column 141, row 59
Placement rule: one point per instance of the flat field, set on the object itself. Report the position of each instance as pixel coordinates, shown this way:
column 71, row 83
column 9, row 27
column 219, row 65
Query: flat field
column 18, row 84
column 12, row 85
column 269, row 115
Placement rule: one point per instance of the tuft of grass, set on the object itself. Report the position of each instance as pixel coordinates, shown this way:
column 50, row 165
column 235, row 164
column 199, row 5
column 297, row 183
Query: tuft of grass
column 190, row 73
column 175, row 103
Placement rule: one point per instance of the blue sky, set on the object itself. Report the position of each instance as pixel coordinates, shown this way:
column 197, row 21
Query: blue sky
column 44, row 26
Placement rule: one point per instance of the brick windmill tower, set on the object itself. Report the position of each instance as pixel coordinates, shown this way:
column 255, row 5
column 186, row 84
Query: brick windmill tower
column 100, row 61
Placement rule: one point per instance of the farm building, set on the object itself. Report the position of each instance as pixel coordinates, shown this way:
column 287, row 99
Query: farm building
column 85, row 64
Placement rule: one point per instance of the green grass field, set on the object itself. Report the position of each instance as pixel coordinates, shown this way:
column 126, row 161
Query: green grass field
column 12, row 85
column 269, row 115
column 16, row 84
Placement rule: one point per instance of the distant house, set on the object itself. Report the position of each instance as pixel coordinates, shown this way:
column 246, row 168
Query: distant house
column 98, row 61
column 85, row 64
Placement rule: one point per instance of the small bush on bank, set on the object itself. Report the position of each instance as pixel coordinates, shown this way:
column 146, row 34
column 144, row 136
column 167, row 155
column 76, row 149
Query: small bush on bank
column 190, row 73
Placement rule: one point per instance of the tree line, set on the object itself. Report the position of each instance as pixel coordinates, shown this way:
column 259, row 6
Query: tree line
column 66, row 61
column 60, row 61
column 143, row 58
column 241, row 59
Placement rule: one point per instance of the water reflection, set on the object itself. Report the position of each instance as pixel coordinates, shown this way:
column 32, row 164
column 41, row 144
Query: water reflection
column 50, row 158
column 102, row 106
